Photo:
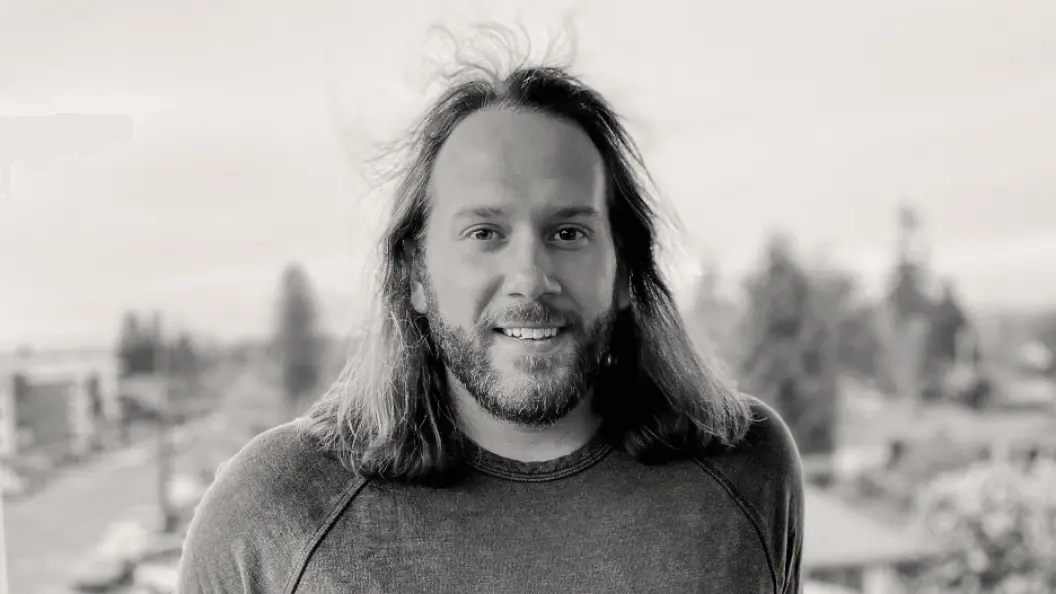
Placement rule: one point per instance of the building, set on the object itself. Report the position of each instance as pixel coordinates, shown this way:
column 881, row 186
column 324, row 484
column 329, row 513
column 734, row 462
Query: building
column 57, row 402
column 887, row 450
column 849, row 549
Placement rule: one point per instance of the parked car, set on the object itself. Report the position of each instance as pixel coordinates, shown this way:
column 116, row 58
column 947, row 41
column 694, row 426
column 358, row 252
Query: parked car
column 111, row 563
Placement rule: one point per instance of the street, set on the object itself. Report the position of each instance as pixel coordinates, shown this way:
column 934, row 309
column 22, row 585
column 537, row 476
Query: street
column 50, row 532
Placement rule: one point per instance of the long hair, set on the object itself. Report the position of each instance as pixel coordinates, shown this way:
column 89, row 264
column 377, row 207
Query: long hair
column 388, row 414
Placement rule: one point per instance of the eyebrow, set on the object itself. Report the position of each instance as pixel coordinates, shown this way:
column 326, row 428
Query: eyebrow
column 564, row 212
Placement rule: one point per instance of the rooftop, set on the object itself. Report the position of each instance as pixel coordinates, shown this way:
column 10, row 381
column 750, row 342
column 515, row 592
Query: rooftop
column 838, row 535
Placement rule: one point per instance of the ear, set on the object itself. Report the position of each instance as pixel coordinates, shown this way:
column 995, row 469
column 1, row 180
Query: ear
column 418, row 301
column 418, row 297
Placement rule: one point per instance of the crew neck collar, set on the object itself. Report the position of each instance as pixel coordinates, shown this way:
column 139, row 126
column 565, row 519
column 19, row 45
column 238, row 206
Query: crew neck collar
column 579, row 460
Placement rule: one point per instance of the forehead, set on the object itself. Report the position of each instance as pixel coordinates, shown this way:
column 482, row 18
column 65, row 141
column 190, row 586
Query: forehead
column 514, row 158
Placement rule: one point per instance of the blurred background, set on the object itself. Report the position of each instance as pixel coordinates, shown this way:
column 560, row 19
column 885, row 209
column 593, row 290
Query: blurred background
column 188, row 211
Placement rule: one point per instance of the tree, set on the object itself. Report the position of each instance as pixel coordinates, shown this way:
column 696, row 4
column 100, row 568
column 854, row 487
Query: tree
column 297, row 342
column 852, row 321
column 129, row 341
column 947, row 322
column 790, row 360
column 946, row 330
column 713, row 321
column 137, row 347
column 908, row 309
column 908, row 294
column 1046, row 335
column 184, row 371
column 184, row 358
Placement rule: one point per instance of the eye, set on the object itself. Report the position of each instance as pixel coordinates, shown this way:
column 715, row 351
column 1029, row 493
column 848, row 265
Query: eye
column 570, row 234
column 482, row 234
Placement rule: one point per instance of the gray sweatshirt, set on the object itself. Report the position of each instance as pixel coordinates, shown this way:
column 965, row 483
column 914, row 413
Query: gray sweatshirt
column 284, row 517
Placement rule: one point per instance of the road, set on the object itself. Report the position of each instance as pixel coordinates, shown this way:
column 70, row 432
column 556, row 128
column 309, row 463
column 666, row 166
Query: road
column 49, row 532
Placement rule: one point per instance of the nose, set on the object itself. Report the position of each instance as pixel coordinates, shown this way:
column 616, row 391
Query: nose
column 530, row 275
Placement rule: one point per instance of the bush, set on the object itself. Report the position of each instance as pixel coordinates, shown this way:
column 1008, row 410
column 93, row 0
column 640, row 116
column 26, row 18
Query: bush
column 996, row 526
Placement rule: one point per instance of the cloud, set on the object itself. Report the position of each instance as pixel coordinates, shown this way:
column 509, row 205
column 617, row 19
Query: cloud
column 38, row 142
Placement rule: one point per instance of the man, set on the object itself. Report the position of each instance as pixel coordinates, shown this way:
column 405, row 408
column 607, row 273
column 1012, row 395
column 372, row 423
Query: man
column 527, row 413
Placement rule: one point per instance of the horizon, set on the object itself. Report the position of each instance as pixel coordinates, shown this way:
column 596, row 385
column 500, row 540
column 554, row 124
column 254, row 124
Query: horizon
column 731, row 292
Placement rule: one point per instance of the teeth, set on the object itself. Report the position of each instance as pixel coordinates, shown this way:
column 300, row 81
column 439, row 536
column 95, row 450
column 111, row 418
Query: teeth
column 530, row 333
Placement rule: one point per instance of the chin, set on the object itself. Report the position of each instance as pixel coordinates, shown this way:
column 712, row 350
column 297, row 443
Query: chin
column 537, row 413
column 535, row 401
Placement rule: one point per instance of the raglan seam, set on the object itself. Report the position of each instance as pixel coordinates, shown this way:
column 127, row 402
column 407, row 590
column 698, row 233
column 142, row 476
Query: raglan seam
column 310, row 546
column 750, row 512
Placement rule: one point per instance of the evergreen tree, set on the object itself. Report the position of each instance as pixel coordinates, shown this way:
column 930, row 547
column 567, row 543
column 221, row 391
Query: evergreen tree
column 948, row 321
column 136, row 347
column 128, row 344
column 184, row 357
column 790, row 361
column 908, row 312
column 153, row 346
column 852, row 321
column 713, row 321
column 908, row 296
column 297, row 343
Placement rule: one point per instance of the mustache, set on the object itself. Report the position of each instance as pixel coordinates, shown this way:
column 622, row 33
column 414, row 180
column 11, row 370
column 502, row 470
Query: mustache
column 530, row 313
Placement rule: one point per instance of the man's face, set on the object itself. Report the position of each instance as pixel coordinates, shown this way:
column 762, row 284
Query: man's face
column 519, row 271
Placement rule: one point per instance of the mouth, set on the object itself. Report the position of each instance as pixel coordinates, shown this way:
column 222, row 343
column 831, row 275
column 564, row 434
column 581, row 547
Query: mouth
column 541, row 334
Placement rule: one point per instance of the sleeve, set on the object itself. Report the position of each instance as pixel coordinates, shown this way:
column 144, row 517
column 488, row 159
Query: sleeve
column 776, row 451
column 794, row 544
column 251, row 531
column 210, row 562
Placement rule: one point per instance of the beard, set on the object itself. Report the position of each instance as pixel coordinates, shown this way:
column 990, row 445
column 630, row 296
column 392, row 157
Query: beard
column 540, row 389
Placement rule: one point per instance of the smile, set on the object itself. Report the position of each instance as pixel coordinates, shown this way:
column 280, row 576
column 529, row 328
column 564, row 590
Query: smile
column 530, row 333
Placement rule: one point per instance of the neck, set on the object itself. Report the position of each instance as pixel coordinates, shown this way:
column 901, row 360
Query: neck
column 525, row 443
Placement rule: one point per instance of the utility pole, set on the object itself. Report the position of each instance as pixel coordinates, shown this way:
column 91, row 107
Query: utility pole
column 3, row 550
column 162, row 369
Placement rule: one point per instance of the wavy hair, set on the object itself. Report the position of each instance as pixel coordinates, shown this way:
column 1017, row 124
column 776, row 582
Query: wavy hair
column 388, row 414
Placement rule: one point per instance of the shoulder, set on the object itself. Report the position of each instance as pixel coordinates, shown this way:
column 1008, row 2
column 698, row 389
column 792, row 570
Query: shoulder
column 763, row 473
column 764, row 466
column 260, row 514
column 768, row 447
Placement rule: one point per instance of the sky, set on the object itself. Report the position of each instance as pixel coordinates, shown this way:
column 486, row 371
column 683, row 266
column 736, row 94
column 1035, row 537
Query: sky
column 252, row 121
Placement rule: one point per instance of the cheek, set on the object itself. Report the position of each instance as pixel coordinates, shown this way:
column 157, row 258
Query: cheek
column 459, row 293
column 591, row 282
